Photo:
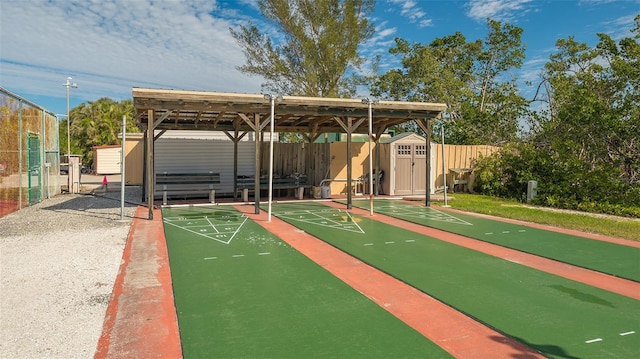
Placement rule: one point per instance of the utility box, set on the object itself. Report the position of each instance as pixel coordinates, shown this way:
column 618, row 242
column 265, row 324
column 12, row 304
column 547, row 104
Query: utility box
column 74, row 174
column 532, row 190
column 107, row 159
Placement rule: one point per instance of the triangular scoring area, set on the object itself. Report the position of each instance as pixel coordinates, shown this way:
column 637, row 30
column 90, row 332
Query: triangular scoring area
column 336, row 219
column 422, row 213
column 221, row 226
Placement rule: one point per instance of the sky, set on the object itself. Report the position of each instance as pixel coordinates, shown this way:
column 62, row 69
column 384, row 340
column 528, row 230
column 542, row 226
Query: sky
column 110, row 46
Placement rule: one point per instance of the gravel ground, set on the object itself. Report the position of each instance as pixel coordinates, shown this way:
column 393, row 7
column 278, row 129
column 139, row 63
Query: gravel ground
column 58, row 263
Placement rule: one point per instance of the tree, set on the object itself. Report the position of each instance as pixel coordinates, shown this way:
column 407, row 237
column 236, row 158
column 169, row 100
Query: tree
column 317, row 48
column 584, row 148
column 594, row 113
column 472, row 78
column 97, row 124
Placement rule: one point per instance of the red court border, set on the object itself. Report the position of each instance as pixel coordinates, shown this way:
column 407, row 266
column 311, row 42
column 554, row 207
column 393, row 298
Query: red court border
column 141, row 320
column 607, row 282
column 573, row 232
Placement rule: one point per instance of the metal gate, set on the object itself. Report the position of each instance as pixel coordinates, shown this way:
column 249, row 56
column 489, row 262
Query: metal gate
column 33, row 164
column 410, row 169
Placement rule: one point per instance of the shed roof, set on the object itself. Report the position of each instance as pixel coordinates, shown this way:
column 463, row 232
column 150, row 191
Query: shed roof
column 219, row 111
column 405, row 137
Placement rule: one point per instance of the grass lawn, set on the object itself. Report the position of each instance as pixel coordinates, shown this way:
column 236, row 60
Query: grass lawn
column 621, row 227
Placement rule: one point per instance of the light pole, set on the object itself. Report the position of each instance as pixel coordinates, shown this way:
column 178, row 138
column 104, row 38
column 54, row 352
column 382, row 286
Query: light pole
column 69, row 85
column 370, row 102
column 272, row 102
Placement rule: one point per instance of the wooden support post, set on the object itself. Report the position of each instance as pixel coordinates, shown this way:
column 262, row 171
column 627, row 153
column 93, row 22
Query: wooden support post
column 425, row 125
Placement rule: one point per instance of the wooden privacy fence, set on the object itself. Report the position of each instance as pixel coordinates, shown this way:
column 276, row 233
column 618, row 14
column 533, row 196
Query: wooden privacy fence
column 314, row 160
column 457, row 157
column 311, row 159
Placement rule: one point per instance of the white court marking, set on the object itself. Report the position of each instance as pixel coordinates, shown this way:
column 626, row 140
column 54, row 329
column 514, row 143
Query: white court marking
column 237, row 256
column 222, row 229
column 422, row 213
column 595, row 340
column 389, row 242
column 330, row 218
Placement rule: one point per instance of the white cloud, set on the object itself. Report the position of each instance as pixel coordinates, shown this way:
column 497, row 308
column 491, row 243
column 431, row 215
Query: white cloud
column 412, row 11
column 425, row 23
column 383, row 35
column 595, row 2
column 501, row 10
column 386, row 32
column 110, row 46
column 532, row 69
column 620, row 28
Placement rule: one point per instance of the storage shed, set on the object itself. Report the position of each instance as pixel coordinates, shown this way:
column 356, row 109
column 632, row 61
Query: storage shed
column 107, row 159
column 403, row 160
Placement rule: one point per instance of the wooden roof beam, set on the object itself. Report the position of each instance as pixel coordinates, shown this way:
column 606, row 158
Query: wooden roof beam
column 197, row 118
column 248, row 122
column 220, row 115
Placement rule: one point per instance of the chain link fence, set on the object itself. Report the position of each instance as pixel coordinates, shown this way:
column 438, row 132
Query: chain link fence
column 29, row 153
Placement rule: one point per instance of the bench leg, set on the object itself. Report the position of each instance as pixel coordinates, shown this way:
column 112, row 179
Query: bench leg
column 164, row 198
column 300, row 191
column 245, row 195
column 212, row 196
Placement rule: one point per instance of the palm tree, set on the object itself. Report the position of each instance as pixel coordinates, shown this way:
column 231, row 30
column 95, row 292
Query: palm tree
column 98, row 124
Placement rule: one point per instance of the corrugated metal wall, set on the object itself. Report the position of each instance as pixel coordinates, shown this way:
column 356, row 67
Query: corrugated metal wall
column 202, row 155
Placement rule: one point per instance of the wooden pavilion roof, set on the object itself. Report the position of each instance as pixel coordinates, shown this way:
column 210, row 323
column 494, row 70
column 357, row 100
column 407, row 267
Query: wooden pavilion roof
column 218, row 111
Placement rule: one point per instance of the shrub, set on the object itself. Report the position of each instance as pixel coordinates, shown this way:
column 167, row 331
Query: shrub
column 563, row 182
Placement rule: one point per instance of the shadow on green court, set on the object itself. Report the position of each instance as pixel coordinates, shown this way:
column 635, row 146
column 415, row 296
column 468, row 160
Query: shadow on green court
column 522, row 302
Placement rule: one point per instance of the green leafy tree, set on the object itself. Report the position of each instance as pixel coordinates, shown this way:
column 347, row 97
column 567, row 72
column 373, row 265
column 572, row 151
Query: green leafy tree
column 594, row 104
column 97, row 124
column 316, row 49
column 583, row 149
column 472, row 78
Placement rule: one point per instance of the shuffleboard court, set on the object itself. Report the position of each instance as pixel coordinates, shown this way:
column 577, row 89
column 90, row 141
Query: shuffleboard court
column 241, row 292
column 559, row 317
column 610, row 258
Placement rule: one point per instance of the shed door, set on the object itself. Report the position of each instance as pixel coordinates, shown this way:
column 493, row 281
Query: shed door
column 410, row 171
column 419, row 174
